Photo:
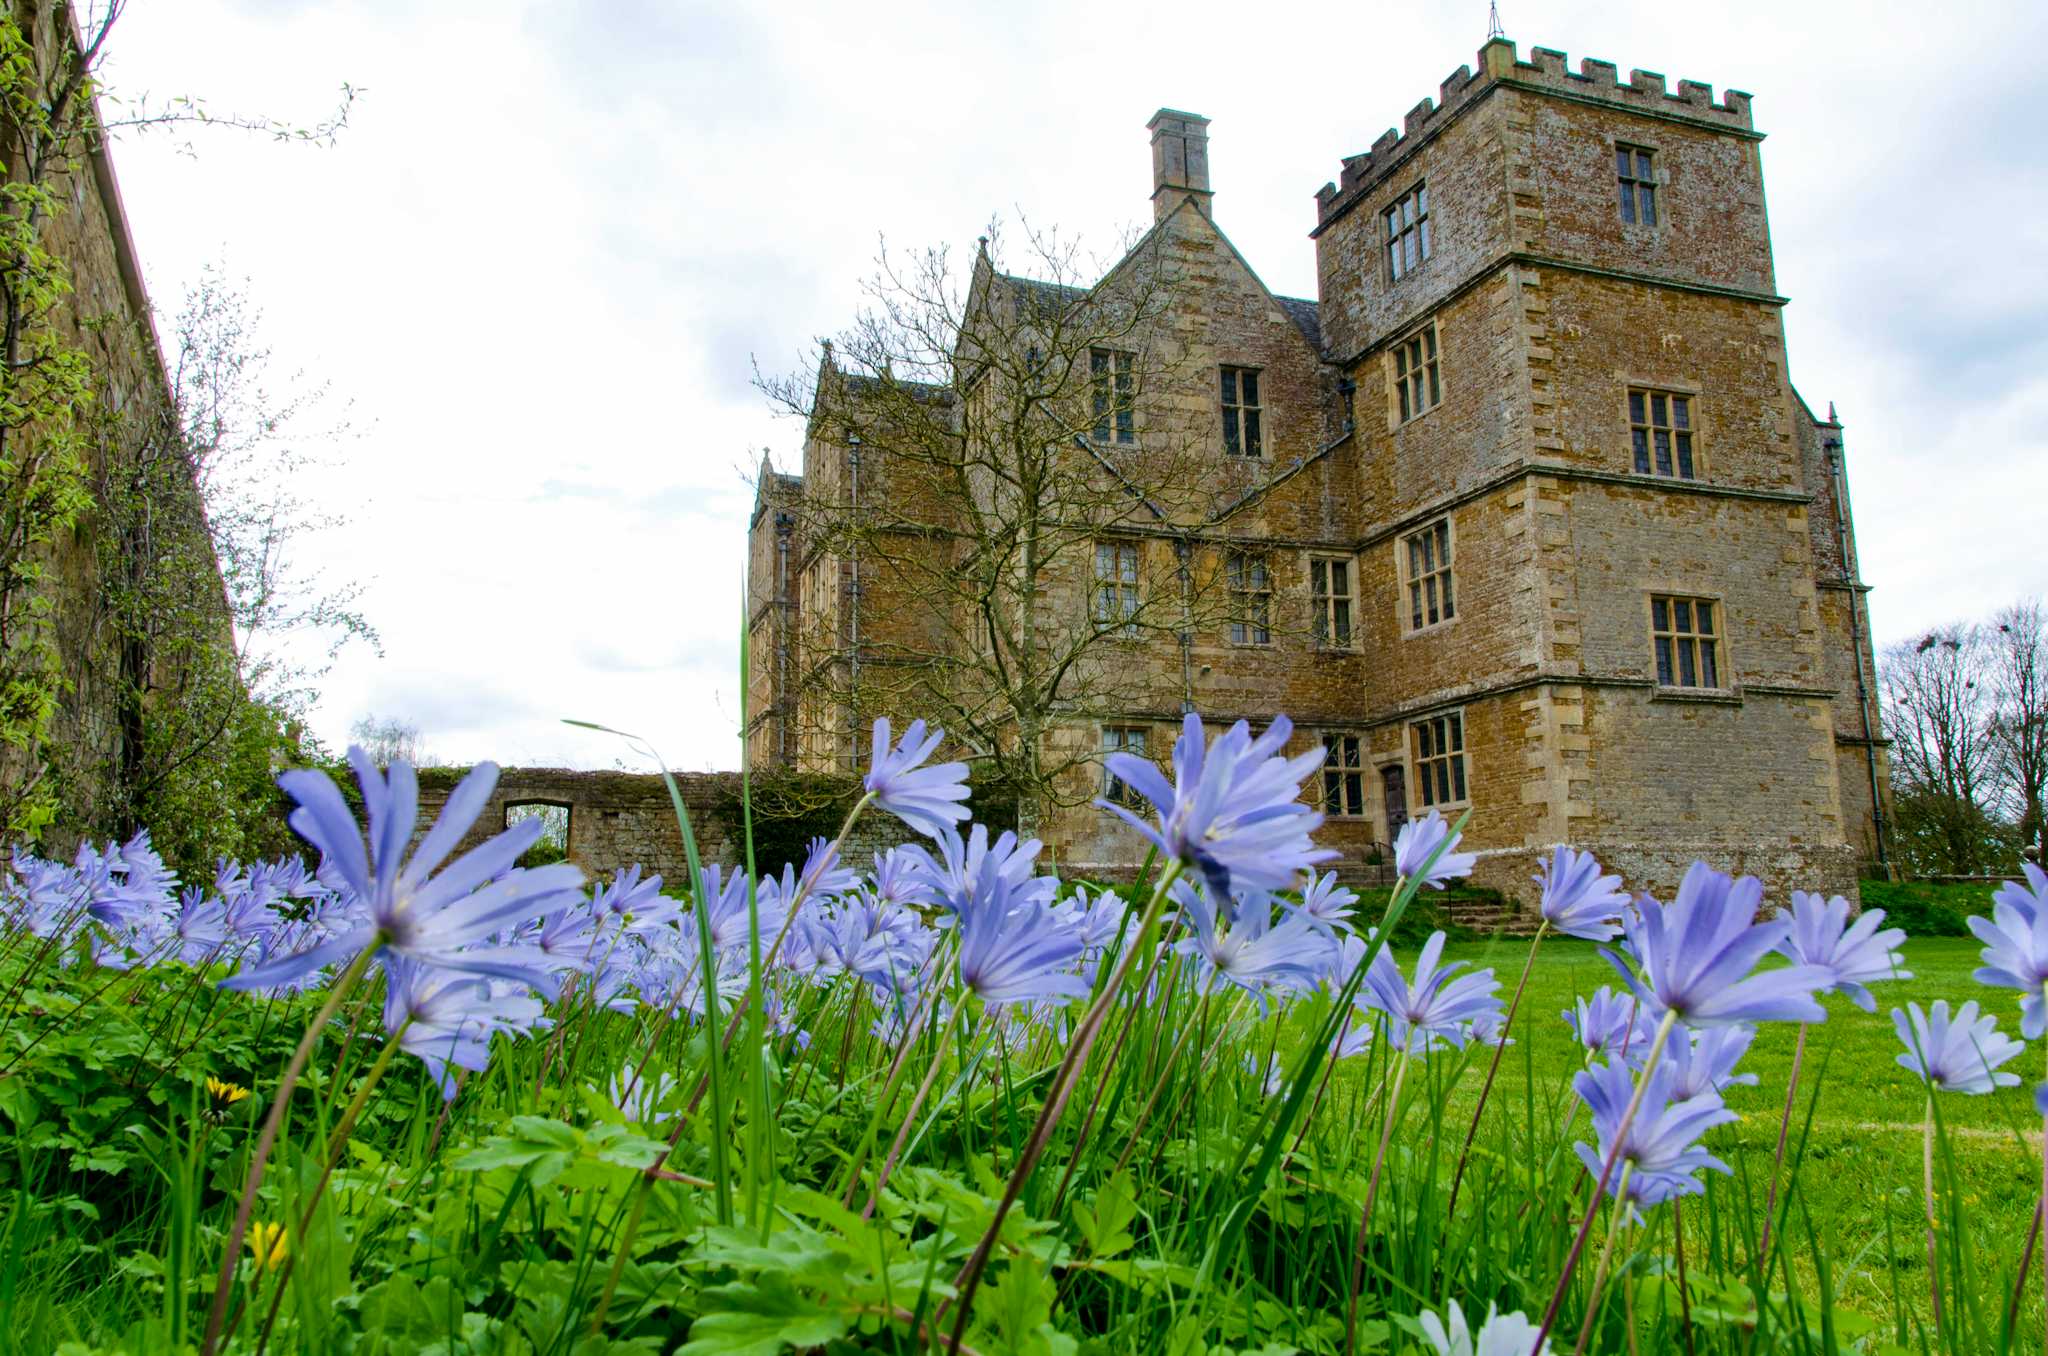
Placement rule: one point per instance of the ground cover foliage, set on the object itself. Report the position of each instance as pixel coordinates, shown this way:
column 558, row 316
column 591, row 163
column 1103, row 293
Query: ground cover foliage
column 377, row 1100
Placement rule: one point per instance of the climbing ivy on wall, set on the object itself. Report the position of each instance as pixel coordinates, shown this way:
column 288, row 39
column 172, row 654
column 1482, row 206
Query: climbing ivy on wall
column 46, row 385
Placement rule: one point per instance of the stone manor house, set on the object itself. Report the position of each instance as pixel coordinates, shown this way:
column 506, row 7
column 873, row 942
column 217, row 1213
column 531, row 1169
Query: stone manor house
column 1521, row 514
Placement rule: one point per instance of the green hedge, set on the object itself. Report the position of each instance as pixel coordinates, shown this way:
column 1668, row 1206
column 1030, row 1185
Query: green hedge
column 790, row 809
column 1927, row 908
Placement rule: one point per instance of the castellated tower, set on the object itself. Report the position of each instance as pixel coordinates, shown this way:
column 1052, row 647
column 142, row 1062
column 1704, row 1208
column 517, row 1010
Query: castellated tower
column 1535, row 525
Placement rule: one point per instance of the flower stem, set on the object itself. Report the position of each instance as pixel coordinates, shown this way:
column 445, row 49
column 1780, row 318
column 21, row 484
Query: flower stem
column 1684, row 1296
column 916, row 1105
column 1628, row 1119
column 1372, row 1194
column 1056, row 1099
column 268, row 1137
column 1507, row 1025
column 335, row 1144
column 1615, row 1224
column 1927, row 1180
column 1763, row 1245
column 887, row 1097
column 1165, row 1076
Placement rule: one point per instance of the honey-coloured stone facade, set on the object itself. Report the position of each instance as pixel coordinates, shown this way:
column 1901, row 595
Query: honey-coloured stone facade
column 1537, row 313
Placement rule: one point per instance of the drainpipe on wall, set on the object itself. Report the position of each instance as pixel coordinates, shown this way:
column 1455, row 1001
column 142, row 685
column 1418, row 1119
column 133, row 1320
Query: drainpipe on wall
column 1832, row 445
column 1182, row 552
column 854, row 595
column 785, row 523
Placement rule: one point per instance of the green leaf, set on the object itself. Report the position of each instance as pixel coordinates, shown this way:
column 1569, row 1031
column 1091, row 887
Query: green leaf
column 1106, row 1216
column 762, row 1319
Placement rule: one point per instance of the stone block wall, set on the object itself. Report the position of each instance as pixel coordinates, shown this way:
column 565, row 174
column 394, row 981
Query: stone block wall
column 619, row 819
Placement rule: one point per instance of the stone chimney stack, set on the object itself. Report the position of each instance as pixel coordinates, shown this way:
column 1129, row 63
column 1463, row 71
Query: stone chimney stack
column 1180, row 161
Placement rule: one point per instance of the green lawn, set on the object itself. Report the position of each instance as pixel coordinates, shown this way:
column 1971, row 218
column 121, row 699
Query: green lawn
column 1864, row 1153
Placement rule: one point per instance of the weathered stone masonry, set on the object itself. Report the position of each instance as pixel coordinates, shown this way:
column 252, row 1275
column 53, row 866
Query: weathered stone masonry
column 619, row 819
column 1544, row 309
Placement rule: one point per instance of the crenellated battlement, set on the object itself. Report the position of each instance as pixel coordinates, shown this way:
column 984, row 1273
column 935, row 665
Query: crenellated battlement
column 1645, row 91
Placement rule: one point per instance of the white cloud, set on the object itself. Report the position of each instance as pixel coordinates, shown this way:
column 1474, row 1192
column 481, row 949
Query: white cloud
column 541, row 259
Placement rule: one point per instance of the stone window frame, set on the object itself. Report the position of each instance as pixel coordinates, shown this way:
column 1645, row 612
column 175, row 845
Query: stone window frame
column 1447, row 764
column 1718, row 653
column 1345, row 764
column 1325, row 601
column 543, row 803
column 1414, row 588
column 1126, row 583
column 1414, row 367
column 1692, row 433
column 1246, row 417
column 1405, row 222
column 1113, row 390
column 1132, row 738
column 1248, row 576
column 1638, row 185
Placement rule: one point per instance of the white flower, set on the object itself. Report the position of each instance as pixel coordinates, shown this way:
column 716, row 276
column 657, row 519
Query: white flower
column 1501, row 1334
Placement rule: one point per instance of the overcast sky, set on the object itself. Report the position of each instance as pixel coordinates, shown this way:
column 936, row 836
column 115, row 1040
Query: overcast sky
column 540, row 262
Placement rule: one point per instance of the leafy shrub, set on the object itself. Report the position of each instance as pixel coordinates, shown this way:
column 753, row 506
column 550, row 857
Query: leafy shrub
column 1928, row 908
column 790, row 809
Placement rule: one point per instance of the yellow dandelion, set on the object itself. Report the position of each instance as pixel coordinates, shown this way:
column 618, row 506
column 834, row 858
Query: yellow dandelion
column 221, row 1098
column 268, row 1243
column 227, row 1094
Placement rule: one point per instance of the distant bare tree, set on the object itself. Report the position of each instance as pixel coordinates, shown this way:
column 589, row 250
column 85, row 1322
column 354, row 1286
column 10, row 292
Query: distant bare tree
column 1026, row 512
column 2019, row 719
column 387, row 740
column 1938, row 710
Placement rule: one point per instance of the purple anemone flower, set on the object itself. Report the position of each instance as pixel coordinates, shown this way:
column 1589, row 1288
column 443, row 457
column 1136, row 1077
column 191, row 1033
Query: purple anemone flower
column 1698, row 953
column 2015, row 956
column 1854, row 954
column 1097, row 924
column 1612, row 1025
column 898, row 879
column 1326, row 904
column 726, row 899
column 407, row 910
column 1415, row 842
column 1662, row 1150
column 1354, row 1037
column 1012, row 953
column 1486, row 1029
column 1960, row 1055
column 201, row 927
column 953, row 874
column 2030, row 899
column 1578, row 900
column 1704, row 1061
column 633, row 902
column 867, row 938
column 1241, row 946
column 443, row 1018
column 926, row 798
column 45, row 898
column 568, row 938
column 1438, row 1007
column 1233, row 811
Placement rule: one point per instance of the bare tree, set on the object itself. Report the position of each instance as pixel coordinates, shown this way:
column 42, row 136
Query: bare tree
column 1018, row 527
column 387, row 740
column 249, row 438
column 2019, row 718
column 1938, row 709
